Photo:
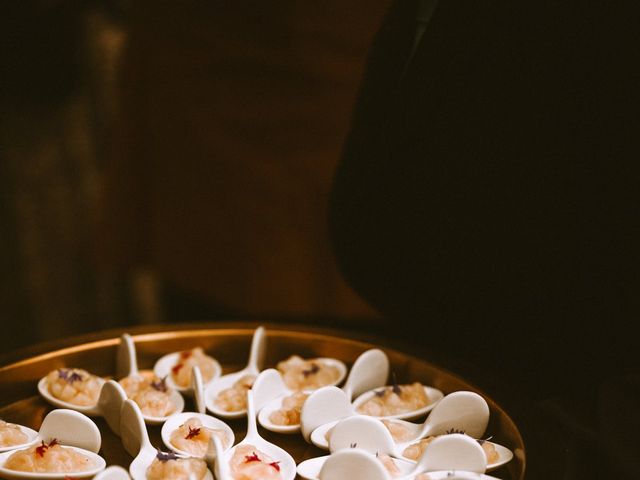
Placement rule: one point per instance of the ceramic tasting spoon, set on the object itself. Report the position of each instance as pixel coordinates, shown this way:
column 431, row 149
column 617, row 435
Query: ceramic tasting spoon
column 283, row 462
column 127, row 366
column 370, row 370
column 175, row 421
column 135, row 440
column 457, row 411
column 163, row 368
column 108, row 406
column 462, row 455
column 254, row 365
column 70, row 429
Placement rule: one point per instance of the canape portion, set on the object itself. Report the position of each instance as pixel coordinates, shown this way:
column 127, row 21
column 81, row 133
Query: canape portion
column 75, row 386
column 181, row 370
column 11, row 434
column 167, row 466
column 49, row 458
column 289, row 414
column 399, row 432
column 234, row 398
column 415, row 450
column 301, row 374
column 249, row 463
column 395, row 400
column 150, row 393
column 193, row 437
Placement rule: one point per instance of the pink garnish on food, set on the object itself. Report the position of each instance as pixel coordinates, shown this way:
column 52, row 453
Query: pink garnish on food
column 193, row 432
column 275, row 465
column 251, row 458
column 177, row 368
column 41, row 449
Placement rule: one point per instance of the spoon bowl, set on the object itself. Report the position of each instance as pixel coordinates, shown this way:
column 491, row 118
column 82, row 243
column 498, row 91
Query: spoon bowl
column 433, row 394
column 89, row 410
column 127, row 366
column 32, row 437
column 71, row 429
column 164, row 365
column 285, row 462
column 254, row 365
column 135, row 440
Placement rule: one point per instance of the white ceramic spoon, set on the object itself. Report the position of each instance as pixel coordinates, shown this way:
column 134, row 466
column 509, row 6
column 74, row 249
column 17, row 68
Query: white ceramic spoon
column 127, row 366
column 163, row 368
column 113, row 473
column 457, row 411
column 72, row 430
column 361, row 432
column 254, row 365
column 323, row 408
column 370, row 370
column 285, row 461
column 135, row 440
column 90, row 410
column 32, row 437
column 433, row 394
column 463, row 457
column 108, row 406
column 175, row 421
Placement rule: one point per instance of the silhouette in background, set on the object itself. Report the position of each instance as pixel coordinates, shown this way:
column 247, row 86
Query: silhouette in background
column 488, row 199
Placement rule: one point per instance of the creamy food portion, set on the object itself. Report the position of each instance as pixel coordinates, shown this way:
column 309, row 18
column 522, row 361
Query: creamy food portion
column 234, row 398
column 399, row 432
column 415, row 450
column 167, row 466
column 75, row 386
column 150, row 393
column 181, row 370
column 49, row 458
column 11, row 434
column 289, row 414
column 301, row 374
column 389, row 465
column 395, row 399
column 249, row 463
column 193, row 437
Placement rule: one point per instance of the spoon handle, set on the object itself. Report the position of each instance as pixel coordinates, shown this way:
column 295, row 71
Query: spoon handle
column 126, row 362
column 252, row 425
column 258, row 350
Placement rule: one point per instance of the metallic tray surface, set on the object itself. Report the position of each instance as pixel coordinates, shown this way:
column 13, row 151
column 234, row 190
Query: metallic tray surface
column 229, row 343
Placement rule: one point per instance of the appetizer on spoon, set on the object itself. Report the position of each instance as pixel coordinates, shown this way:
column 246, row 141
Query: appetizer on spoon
column 280, row 408
column 156, row 399
column 176, row 367
column 462, row 456
column 152, row 464
column 253, row 457
column 13, row 436
column 226, row 396
column 107, row 404
column 406, row 402
column 461, row 410
column 66, row 446
column 188, row 433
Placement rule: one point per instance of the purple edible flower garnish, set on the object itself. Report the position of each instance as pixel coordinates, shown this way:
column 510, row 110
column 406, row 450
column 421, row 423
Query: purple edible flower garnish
column 69, row 375
column 160, row 385
column 164, row 457
column 379, row 393
column 313, row 370
column 453, row 430
column 353, row 445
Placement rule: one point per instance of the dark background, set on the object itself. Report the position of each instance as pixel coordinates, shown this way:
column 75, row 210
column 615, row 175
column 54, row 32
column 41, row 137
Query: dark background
column 171, row 162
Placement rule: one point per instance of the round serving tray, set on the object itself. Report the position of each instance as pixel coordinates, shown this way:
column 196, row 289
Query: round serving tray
column 229, row 344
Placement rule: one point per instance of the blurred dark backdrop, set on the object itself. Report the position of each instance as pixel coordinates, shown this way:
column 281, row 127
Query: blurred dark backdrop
column 171, row 161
